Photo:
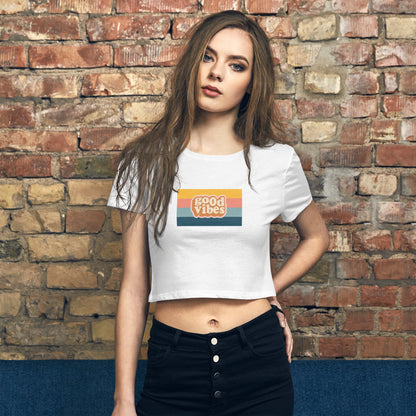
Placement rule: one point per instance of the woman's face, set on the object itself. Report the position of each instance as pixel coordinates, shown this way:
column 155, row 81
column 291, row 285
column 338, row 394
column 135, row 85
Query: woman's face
column 225, row 71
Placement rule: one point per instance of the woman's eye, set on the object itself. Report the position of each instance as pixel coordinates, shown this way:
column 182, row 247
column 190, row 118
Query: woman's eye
column 206, row 57
column 238, row 67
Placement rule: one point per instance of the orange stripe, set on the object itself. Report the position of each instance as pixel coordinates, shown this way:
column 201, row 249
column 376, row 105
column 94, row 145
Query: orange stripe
column 231, row 202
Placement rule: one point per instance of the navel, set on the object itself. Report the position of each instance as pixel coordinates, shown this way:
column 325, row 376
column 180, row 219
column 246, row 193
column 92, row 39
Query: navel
column 213, row 322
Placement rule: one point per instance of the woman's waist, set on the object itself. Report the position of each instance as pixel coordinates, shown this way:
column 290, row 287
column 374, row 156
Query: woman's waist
column 207, row 315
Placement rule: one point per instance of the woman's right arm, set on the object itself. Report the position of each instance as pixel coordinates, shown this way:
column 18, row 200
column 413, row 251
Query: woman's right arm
column 131, row 311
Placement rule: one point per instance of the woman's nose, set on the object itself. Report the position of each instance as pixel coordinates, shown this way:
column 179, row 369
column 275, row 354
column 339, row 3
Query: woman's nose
column 216, row 73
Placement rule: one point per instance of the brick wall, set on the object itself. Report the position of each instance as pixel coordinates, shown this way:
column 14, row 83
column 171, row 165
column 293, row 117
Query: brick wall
column 81, row 77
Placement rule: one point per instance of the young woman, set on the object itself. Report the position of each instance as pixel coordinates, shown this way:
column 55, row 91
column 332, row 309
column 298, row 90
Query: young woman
column 197, row 195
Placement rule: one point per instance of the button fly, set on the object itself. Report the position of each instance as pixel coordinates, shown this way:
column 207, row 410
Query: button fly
column 217, row 394
column 214, row 341
column 217, row 374
column 215, row 358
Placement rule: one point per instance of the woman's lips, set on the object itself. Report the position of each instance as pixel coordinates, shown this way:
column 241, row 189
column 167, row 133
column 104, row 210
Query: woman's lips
column 211, row 91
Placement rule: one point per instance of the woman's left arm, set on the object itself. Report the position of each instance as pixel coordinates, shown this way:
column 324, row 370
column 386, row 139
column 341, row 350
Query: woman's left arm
column 314, row 241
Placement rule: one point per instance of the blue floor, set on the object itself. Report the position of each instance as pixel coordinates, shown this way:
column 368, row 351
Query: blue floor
column 329, row 387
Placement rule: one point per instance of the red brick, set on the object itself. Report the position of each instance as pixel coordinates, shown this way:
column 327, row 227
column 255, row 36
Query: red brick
column 84, row 221
column 306, row 6
column 128, row 27
column 147, row 55
column 351, row 6
column 359, row 106
column 396, row 155
column 214, row 6
column 397, row 320
column 363, row 82
column 277, row 27
column 354, row 133
column 390, row 82
column 399, row 106
column 12, row 56
column 298, row 295
column 392, row 269
column 38, row 141
column 395, row 54
column 65, row 86
column 411, row 341
column 379, row 296
column 277, row 52
column 34, row 166
column 372, row 240
column 284, row 243
column 352, row 268
column 359, row 320
column 405, row 240
column 337, row 347
column 351, row 157
column 394, row 6
column 345, row 212
column 265, row 6
column 284, row 109
column 314, row 108
column 336, row 297
column 76, row 6
column 407, row 83
column 84, row 113
column 306, row 161
column 69, row 56
column 39, row 28
column 409, row 130
column 397, row 212
column 182, row 25
column 384, row 130
column 382, row 347
column 17, row 115
column 313, row 318
column 359, row 26
column 169, row 6
column 347, row 186
column 108, row 138
column 355, row 53
column 145, row 83
column 408, row 296
column 409, row 185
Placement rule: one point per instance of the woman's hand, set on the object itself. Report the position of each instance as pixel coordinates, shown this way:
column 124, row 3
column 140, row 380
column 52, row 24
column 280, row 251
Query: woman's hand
column 285, row 326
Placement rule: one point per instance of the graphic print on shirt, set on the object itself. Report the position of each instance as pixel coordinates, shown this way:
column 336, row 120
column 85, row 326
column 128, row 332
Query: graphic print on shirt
column 207, row 207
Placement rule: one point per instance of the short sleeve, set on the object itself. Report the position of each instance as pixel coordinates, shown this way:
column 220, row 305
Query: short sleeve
column 296, row 190
column 128, row 193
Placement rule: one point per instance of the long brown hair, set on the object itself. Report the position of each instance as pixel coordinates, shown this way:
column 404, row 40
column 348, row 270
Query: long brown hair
column 152, row 158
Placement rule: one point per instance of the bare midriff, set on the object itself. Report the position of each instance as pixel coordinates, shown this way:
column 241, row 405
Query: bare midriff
column 203, row 315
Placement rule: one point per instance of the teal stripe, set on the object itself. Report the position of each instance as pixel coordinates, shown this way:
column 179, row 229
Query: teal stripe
column 231, row 212
column 230, row 221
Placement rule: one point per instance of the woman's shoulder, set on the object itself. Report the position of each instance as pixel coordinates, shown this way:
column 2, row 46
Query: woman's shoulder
column 273, row 150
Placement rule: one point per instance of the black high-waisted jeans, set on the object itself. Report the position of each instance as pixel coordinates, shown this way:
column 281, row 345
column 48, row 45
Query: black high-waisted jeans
column 243, row 371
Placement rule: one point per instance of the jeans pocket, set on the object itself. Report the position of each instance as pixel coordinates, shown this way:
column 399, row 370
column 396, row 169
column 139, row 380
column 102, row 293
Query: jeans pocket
column 268, row 345
column 157, row 354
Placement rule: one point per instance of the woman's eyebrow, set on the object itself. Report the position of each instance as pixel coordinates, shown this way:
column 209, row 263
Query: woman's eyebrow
column 229, row 56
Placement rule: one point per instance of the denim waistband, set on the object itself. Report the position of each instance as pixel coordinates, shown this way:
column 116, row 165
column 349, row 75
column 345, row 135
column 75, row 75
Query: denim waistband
column 166, row 334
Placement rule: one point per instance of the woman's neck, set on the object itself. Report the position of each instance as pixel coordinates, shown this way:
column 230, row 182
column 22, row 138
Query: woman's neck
column 214, row 134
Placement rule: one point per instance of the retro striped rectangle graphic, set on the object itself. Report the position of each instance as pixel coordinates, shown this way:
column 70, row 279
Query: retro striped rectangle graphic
column 208, row 207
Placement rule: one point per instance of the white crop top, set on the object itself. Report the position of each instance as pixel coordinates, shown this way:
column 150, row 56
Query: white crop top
column 216, row 243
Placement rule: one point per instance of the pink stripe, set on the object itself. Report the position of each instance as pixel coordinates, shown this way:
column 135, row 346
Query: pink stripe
column 231, row 202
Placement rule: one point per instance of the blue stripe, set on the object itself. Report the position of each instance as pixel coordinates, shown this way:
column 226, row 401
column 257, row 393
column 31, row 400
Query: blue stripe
column 231, row 212
column 230, row 221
